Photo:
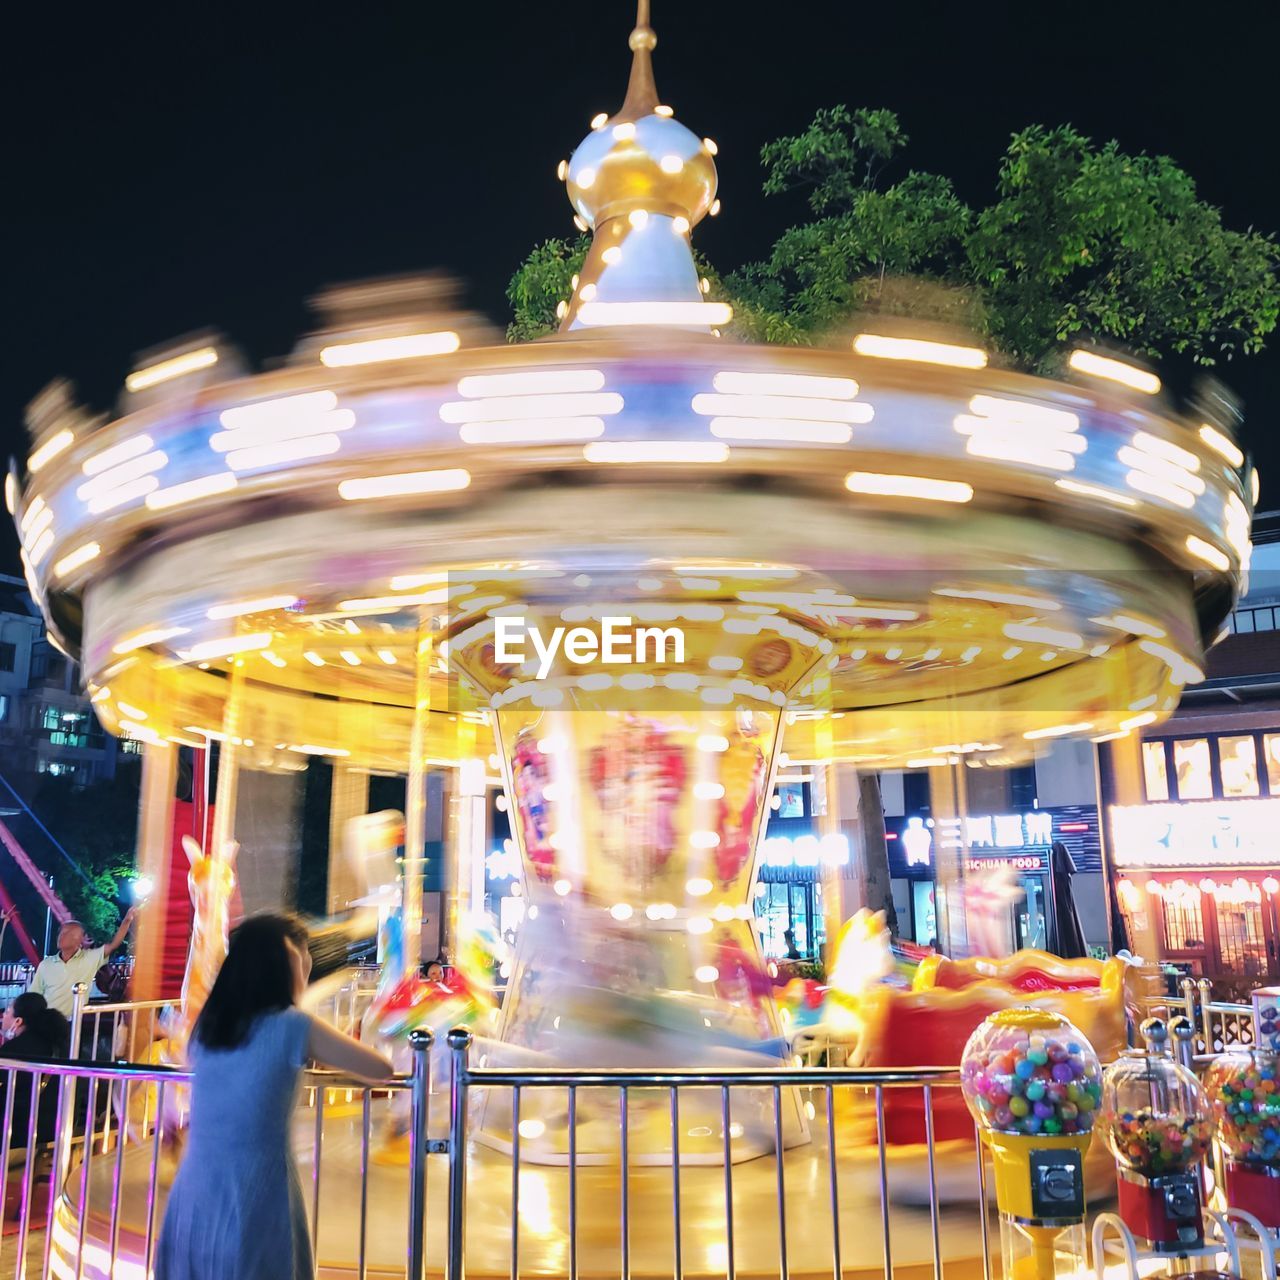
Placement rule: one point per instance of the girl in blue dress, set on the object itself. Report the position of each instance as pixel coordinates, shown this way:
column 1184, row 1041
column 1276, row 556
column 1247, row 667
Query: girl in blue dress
column 236, row 1207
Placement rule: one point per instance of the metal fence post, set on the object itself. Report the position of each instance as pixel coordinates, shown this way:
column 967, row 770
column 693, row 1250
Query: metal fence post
column 1184, row 1035
column 420, row 1096
column 1204, row 989
column 1184, row 1051
column 66, row 1122
column 78, row 994
column 459, row 1041
column 1188, row 988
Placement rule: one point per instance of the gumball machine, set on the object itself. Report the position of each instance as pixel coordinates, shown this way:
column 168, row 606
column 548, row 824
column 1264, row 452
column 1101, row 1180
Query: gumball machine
column 1033, row 1084
column 1244, row 1088
column 1158, row 1123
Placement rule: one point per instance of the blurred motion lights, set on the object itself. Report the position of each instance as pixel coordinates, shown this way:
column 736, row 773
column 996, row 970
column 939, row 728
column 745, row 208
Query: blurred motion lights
column 532, row 431
column 80, row 556
column 1014, row 431
column 1162, row 469
column 1093, row 491
column 49, row 450
column 1096, row 366
column 407, row 482
column 1222, row 445
column 507, row 408
column 141, row 639
column 227, row 646
column 1210, row 554
column 238, row 609
column 192, row 490
column 601, row 315
column 533, row 382
column 117, row 455
column 375, row 350
column 153, row 375
column 892, row 486
column 882, row 347
column 784, row 384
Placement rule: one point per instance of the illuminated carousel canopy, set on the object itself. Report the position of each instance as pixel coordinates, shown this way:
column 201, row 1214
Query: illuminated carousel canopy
column 908, row 554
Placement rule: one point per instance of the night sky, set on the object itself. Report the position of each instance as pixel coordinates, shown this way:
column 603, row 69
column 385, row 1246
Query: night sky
column 186, row 166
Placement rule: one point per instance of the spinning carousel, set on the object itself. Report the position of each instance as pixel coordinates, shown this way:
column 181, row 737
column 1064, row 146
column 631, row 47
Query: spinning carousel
column 880, row 553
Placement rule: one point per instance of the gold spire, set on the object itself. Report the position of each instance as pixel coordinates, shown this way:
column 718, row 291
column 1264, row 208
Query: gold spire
column 642, row 90
column 640, row 181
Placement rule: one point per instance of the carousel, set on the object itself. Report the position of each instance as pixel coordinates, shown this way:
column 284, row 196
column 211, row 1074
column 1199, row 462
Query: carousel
column 621, row 574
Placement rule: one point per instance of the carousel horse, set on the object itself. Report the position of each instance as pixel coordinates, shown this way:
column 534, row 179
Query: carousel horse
column 211, row 883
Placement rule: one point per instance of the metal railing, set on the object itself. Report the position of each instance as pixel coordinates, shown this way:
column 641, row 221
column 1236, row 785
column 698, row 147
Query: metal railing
column 1219, row 1024
column 126, row 1030
column 15, row 978
column 674, row 1089
column 101, row 1217
column 107, row 1176
column 95, row 1128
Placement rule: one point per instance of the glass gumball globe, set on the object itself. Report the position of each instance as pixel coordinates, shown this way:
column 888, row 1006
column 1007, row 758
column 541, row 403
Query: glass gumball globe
column 1244, row 1088
column 1155, row 1116
column 1031, row 1072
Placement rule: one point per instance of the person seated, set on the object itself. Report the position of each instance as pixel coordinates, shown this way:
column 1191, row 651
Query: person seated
column 32, row 1031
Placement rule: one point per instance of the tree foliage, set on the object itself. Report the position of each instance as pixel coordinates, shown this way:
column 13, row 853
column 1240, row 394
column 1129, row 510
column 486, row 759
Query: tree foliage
column 97, row 826
column 1089, row 240
column 541, row 284
column 1079, row 242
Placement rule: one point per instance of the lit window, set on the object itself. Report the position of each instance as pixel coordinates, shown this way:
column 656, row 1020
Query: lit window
column 1183, row 917
column 1238, row 760
column 1192, row 768
column 1271, row 746
column 1156, row 771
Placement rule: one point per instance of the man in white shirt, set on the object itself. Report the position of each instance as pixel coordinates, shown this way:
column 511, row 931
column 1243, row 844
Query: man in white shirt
column 58, row 974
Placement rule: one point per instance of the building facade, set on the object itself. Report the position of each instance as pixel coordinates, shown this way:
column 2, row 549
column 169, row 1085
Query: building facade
column 47, row 725
column 1193, row 805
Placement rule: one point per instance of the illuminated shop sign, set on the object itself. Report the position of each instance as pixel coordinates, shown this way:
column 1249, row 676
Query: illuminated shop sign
column 1233, row 833
column 997, row 831
column 1032, row 830
column 831, row 850
column 1016, row 862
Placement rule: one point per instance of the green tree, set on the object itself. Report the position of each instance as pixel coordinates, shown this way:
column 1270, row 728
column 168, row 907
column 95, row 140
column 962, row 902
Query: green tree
column 1089, row 240
column 97, row 826
column 541, row 284
column 1079, row 241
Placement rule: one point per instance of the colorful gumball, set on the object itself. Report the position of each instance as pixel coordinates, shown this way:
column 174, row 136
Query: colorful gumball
column 1030, row 1072
column 1145, row 1139
column 1242, row 1087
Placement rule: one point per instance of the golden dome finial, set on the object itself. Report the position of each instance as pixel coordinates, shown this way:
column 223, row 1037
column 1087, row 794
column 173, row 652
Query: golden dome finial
column 640, row 181
column 642, row 90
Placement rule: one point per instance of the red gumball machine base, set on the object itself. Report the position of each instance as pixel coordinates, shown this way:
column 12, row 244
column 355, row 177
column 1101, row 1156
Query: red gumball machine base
column 1163, row 1213
column 1255, row 1188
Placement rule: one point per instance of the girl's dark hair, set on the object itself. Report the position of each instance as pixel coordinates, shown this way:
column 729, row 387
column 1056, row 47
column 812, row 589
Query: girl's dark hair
column 42, row 1022
column 255, row 978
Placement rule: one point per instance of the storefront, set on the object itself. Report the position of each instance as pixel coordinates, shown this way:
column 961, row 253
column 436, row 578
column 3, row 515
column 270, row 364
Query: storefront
column 789, row 889
column 1194, row 869
column 1200, row 876
column 1007, row 855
